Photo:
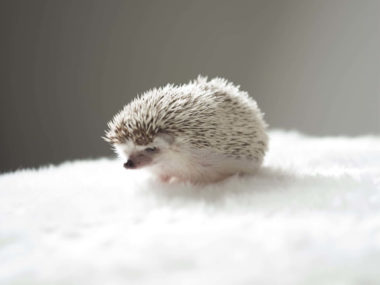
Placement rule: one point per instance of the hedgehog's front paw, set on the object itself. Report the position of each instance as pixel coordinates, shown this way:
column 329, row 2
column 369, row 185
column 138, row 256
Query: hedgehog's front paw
column 165, row 178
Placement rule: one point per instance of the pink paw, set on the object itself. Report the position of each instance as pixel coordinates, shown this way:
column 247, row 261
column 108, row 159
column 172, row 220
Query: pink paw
column 165, row 178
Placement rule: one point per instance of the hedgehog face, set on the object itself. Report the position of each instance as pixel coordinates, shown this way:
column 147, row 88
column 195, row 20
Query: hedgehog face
column 138, row 156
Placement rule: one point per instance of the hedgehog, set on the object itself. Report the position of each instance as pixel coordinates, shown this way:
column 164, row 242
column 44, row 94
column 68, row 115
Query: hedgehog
column 200, row 132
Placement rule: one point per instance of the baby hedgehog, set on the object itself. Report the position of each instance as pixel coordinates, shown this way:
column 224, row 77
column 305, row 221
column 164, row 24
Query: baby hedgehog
column 200, row 132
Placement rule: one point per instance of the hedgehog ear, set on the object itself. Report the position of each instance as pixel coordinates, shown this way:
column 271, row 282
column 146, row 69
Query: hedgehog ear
column 168, row 138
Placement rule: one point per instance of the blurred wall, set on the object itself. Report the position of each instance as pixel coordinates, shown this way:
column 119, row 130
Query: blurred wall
column 67, row 66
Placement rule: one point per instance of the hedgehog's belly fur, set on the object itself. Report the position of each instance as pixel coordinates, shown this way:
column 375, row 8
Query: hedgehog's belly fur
column 204, row 168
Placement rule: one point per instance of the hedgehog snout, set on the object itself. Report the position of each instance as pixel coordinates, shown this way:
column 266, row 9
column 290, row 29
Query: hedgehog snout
column 138, row 160
column 129, row 164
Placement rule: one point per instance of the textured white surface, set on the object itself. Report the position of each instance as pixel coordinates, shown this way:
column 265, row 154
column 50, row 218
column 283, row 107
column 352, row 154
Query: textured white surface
column 310, row 216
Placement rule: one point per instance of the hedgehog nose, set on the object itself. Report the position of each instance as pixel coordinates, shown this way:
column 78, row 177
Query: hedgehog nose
column 129, row 164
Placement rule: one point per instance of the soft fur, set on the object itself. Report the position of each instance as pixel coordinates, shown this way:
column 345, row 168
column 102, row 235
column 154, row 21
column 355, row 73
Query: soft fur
column 311, row 215
column 203, row 131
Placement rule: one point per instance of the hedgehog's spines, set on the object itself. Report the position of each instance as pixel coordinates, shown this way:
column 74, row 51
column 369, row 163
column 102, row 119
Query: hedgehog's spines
column 212, row 114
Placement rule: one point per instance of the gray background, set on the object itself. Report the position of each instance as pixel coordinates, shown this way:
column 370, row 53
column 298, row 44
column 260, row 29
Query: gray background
column 67, row 66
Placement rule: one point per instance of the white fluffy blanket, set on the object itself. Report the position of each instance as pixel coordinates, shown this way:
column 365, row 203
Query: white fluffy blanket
column 310, row 216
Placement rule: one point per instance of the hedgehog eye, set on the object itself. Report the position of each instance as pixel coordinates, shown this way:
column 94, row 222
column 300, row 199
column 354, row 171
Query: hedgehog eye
column 151, row 149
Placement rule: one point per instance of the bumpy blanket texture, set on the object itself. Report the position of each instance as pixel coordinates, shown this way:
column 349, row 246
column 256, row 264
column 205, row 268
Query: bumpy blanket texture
column 311, row 215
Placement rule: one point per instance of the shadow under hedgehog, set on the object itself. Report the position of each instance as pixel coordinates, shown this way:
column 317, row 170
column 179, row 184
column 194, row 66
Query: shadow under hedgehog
column 201, row 132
